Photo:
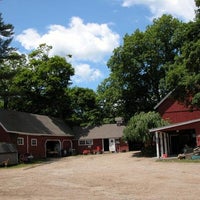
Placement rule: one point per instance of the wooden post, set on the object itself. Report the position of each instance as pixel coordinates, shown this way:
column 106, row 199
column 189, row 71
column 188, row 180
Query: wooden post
column 165, row 143
column 161, row 144
column 157, row 145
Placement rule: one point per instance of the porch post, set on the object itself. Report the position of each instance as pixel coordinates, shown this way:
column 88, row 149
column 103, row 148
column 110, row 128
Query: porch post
column 157, row 145
column 161, row 144
column 165, row 143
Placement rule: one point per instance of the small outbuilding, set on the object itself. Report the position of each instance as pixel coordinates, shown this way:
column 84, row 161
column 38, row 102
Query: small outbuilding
column 8, row 154
column 99, row 139
column 34, row 135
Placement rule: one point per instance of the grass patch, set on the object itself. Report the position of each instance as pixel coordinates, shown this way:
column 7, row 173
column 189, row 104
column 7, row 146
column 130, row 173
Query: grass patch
column 29, row 164
column 178, row 160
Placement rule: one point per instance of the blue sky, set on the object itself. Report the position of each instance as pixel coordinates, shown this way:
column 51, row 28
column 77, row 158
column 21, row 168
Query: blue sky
column 87, row 29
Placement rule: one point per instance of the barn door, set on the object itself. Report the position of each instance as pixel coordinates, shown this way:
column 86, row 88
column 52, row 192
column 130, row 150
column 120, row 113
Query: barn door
column 112, row 147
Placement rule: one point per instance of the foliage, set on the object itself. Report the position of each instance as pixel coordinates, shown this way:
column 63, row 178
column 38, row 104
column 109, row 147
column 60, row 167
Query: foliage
column 42, row 84
column 8, row 61
column 138, row 126
column 138, row 66
column 183, row 74
column 108, row 100
column 6, row 36
column 84, row 108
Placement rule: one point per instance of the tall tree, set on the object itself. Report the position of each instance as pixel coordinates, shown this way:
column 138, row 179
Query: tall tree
column 140, row 64
column 43, row 84
column 184, row 73
column 85, row 110
column 6, row 36
column 108, row 99
column 7, row 59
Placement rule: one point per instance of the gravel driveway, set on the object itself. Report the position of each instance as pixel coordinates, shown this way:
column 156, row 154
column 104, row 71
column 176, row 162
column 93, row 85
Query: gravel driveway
column 117, row 176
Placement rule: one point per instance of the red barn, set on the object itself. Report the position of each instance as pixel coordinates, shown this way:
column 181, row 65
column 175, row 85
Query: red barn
column 37, row 135
column 98, row 139
column 175, row 111
column 184, row 128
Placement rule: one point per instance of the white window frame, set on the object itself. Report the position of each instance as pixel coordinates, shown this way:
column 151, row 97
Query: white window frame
column 33, row 142
column 20, row 141
column 86, row 142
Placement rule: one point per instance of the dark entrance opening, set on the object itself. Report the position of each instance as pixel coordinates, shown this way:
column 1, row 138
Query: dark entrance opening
column 106, row 144
column 178, row 139
column 53, row 148
column 135, row 145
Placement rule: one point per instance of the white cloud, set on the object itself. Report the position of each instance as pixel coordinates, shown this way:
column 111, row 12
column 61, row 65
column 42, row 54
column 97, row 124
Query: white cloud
column 86, row 42
column 29, row 38
column 84, row 73
column 183, row 9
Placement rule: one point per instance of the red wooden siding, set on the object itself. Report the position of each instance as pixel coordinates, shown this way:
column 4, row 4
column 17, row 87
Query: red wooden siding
column 97, row 143
column 175, row 112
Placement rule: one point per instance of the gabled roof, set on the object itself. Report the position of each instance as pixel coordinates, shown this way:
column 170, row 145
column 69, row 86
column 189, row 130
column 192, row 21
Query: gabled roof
column 176, row 125
column 99, row 132
column 32, row 124
column 166, row 97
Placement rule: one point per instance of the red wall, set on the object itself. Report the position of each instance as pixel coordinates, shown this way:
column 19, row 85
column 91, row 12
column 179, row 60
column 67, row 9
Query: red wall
column 80, row 149
column 38, row 151
column 175, row 112
column 121, row 147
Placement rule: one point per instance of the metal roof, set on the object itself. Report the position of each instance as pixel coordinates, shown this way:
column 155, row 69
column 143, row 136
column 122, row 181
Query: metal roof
column 164, row 128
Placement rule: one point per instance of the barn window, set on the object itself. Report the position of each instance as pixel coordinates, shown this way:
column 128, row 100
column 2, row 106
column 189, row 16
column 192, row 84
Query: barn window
column 20, row 141
column 85, row 142
column 33, row 142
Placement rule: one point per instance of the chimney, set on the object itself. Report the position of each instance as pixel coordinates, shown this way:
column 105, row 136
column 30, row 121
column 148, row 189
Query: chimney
column 119, row 121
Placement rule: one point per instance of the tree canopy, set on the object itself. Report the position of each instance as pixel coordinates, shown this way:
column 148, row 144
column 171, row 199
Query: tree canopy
column 138, row 68
column 143, row 70
column 138, row 126
column 183, row 74
column 42, row 84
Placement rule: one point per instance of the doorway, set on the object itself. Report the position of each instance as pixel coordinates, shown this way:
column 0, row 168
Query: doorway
column 106, row 144
column 178, row 139
column 53, row 148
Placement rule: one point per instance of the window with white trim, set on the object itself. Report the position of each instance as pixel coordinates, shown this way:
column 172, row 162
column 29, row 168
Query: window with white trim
column 20, row 141
column 85, row 142
column 33, row 142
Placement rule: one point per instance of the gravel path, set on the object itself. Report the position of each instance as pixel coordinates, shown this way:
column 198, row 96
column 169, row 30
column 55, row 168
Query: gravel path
column 117, row 176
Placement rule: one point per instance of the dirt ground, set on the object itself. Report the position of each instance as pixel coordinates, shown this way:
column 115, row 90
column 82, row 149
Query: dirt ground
column 117, row 176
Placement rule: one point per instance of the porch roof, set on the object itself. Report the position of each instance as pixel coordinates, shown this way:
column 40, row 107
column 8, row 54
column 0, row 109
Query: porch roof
column 32, row 124
column 176, row 125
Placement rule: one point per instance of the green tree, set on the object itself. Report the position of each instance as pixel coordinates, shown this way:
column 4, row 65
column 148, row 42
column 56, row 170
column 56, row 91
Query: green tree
column 138, row 66
column 8, row 60
column 9, row 68
column 138, row 126
column 184, row 73
column 84, row 108
column 108, row 99
column 42, row 84
column 6, row 36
